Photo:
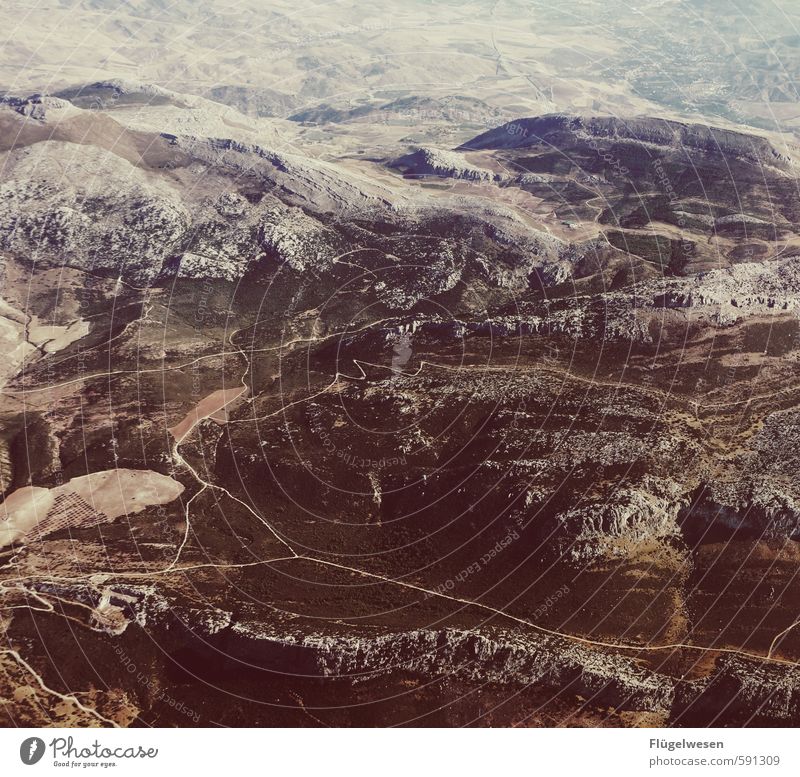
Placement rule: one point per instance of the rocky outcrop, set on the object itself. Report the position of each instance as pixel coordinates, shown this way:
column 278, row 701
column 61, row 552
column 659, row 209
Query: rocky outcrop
column 751, row 507
column 506, row 657
column 441, row 164
column 516, row 659
column 129, row 232
column 302, row 242
column 744, row 289
column 741, row 693
column 117, row 92
column 40, row 107
column 450, row 109
column 563, row 131
column 615, row 526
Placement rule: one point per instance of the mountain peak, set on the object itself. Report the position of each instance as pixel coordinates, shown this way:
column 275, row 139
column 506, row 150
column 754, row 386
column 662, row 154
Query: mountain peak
column 564, row 131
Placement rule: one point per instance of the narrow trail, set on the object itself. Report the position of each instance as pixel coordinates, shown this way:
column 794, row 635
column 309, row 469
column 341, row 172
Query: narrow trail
column 219, row 354
column 292, row 555
column 66, row 697
column 652, row 391
column 205, row 484
column 780, row 636
column 467, row 602
column 180, row 461
column 552, row 632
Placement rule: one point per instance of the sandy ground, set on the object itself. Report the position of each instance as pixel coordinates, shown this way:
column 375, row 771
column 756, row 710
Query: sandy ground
column 98, row 497
column 13, row 347
column 212, row 406
column 116, row 492
column 22, row 511
column 52, row 338
column 23, row 337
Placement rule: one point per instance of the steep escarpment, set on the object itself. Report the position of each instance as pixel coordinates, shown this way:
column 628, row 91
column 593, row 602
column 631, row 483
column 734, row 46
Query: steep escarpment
column 560, row 130
column 440, row 164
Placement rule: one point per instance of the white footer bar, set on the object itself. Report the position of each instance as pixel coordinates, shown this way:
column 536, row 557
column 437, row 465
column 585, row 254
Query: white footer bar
column 400, row 752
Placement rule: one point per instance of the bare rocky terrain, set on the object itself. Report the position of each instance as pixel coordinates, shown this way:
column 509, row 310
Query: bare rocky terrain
column 444, row 406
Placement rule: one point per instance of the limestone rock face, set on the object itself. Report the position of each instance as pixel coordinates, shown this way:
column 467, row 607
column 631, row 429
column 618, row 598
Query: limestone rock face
column 630, row 517
column 441, row 164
